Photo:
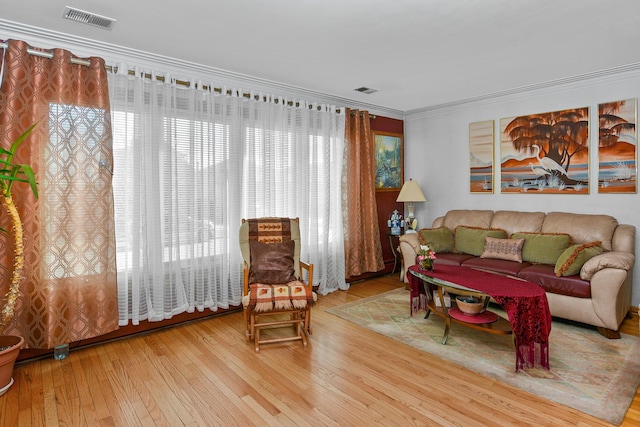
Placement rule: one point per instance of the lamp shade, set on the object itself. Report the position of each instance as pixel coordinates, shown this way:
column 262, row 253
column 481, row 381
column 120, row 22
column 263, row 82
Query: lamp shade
column 411, row 192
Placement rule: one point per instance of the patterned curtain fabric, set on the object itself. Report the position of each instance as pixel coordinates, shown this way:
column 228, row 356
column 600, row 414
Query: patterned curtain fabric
column 69, row 289
column 363, row 249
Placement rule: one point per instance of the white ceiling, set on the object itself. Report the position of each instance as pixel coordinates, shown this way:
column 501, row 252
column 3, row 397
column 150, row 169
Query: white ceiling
column 416, row 53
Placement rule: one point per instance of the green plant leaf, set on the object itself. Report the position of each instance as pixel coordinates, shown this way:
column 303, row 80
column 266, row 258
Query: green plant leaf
column 31, row 178
column 11, row 173
column 17, row 142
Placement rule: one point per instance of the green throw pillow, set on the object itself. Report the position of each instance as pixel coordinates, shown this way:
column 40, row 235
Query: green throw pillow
column 572, row 259
column 470, row 240
column 438, row 239
column 541, row 248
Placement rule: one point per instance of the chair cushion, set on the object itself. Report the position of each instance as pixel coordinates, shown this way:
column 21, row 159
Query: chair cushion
column 292, row 295
column 506, row 249
column 438, row 239
column 246, row 298
column 574, row 257
column 271, row 263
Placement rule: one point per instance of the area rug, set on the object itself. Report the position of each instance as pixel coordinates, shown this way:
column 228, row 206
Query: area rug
column 588, row 372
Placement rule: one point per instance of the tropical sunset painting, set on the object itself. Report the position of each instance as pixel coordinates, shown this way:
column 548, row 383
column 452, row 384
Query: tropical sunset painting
column 617, row 147
column 481, row 157
column 545, row 153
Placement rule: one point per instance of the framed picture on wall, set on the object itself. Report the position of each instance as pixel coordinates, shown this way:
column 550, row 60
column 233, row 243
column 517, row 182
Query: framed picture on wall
column 481, row 157
column 389, row 160
column 617, row 147
column 546, row 153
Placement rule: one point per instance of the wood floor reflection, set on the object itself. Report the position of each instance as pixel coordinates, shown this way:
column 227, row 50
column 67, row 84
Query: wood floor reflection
column 205, row 373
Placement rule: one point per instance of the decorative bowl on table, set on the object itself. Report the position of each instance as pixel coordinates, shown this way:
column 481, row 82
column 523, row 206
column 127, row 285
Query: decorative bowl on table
column 470, row 305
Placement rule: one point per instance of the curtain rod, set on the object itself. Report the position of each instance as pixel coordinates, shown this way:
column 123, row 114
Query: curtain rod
column 49, row 55
column 113, row 69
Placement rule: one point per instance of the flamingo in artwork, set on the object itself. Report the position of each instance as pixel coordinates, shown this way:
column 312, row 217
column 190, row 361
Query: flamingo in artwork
column 547, row 163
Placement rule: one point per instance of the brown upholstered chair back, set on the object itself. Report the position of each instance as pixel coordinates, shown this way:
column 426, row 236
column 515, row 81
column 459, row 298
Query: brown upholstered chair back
column 270, row 230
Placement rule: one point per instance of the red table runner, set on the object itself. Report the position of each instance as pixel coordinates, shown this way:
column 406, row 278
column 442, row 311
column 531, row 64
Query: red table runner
column 525, row 303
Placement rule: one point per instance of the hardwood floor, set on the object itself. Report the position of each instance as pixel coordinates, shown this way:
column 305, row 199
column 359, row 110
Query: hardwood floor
column 205, row 373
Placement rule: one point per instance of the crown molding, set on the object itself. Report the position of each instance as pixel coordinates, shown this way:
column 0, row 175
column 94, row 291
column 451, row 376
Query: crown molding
column 606, row 75
column 114, row 54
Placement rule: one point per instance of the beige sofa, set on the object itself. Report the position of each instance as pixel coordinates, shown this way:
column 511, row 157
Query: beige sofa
column 600, row 295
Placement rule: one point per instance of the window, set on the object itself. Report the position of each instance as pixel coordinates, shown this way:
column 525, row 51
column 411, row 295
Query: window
column 75, row 190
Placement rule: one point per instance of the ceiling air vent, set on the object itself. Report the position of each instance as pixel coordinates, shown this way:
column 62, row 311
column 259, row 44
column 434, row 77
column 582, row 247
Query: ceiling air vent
column 366, row 90
column 88, row 18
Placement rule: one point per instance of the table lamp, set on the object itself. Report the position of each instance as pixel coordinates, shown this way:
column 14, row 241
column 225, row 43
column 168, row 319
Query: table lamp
column 411, row 193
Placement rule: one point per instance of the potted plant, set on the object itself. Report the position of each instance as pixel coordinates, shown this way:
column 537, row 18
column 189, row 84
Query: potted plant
column 11, row 173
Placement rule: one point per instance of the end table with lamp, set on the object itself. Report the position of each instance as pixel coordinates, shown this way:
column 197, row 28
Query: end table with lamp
column 410, row 194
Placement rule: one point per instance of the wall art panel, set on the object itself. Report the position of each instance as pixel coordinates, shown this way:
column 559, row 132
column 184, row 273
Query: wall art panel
column 481, row 157
column 545, row 153
column 617, row 147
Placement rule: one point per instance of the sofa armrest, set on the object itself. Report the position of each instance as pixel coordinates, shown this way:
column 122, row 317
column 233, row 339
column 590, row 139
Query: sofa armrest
column 611, row 296
column 619, row 260
column 409, row 247
column 413, row 241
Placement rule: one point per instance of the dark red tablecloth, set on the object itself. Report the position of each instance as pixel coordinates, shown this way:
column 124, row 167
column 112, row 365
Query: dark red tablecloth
column 525, row 303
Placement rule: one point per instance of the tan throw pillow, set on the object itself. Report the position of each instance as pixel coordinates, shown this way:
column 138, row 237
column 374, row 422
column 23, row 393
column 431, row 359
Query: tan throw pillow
column 572, row 259
column 271, row 263
column 507, row 249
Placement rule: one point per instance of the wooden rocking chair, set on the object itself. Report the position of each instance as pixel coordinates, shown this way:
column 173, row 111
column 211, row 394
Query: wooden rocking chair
column 274, row 294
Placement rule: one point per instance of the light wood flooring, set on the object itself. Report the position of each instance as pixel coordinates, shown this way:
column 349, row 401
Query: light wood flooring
column 205, row 374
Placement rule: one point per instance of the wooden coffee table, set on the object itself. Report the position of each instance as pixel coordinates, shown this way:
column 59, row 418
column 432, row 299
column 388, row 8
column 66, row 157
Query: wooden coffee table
column 486, row 321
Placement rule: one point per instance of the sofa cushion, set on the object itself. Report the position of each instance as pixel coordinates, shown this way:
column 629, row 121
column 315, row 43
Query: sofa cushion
column 507, row 249
column 574, row 257
column 511, row 268
column 514, row 221
column 470, row 240
column 438, row 239
column 468, row 217
column 583, row 228
column 544, row 276
column 272, row 263
column 543, row 248
column 451, row 258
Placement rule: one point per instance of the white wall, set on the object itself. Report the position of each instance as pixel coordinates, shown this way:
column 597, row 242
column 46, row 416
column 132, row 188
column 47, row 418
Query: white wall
column 436, row 141
column 437, row 154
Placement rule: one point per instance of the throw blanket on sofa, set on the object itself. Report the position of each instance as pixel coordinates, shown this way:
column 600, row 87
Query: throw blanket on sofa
column 525, row 303
column 280, row 297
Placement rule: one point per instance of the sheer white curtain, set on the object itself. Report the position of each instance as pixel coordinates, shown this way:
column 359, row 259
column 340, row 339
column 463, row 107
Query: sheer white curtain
column 189, row 164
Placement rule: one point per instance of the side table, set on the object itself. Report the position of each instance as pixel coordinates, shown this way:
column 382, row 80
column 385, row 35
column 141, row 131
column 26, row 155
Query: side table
column 394, row 242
